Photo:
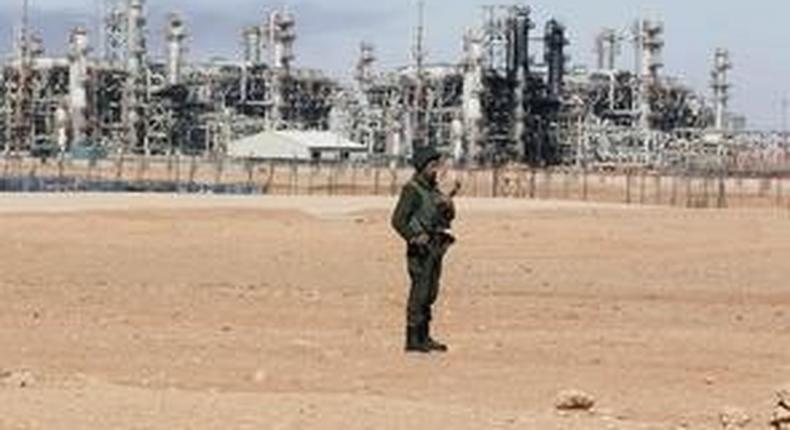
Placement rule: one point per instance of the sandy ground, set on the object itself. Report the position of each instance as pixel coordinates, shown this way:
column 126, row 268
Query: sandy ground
column 162, row 312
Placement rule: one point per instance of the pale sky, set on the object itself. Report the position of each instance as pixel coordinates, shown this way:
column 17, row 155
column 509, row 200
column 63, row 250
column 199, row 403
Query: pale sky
column 330, row 31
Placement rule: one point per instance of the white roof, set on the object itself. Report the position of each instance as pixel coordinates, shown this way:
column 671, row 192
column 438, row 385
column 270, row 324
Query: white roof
column 290, row 145
column 321, row 140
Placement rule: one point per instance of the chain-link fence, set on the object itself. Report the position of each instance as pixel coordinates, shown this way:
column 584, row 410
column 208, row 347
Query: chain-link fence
column 692, row 189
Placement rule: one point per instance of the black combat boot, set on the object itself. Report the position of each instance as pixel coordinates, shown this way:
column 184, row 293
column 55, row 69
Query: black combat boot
column 432, row 344
column 415, row 341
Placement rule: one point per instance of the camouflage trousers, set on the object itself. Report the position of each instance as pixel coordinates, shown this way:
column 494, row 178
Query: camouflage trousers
column 425, row 269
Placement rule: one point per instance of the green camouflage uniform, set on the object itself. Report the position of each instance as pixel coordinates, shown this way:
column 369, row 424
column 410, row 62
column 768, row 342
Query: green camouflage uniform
column 422, row 208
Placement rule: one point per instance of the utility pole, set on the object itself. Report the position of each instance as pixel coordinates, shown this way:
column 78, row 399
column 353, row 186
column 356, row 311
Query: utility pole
column 420, row 105
column 21, row 114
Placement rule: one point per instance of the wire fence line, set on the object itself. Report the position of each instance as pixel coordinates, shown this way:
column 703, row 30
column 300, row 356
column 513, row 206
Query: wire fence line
column 690, row 189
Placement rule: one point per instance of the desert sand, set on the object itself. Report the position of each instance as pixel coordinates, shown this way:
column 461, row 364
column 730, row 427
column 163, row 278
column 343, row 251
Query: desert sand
column 204, row 312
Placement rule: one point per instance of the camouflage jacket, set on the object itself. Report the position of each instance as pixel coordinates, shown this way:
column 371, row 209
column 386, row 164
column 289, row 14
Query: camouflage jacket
column 422, row 208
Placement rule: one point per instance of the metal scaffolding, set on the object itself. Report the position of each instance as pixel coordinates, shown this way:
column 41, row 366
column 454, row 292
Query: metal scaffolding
column 499, row 103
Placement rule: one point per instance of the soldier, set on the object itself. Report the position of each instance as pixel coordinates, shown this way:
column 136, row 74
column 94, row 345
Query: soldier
column 422, row 218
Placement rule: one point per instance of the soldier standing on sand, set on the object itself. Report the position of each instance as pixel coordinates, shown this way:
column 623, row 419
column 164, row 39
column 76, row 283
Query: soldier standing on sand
column 422, row 218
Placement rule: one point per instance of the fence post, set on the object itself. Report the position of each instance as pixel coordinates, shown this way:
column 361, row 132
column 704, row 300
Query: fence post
column 61, row 160
column 628, row 186
column 706, row 190
column 139, row 170
column 178, row 172
column 657, row 185
column 91, row 166
column 118, row 166
column 296, row 168
column 673, row 193
column 292, row 177
column 220, row 170
column 170, row 167
column 787, row 200
column 532, row 182
column 33, row 180
column 642, row 187
column 248, row 168
column 346, row 186
column 267, row 183
column 289, row 190
column 393, row 182
column 765, row 186
column 327, row 172
column 193, row 167
column 376, row 180
column 585, row 186
column 520, row 184
column 721, row 202
column 310, row 175
column 494, row 181
column 788, row 205
column 329, row 180
column 354, row 190
column 340, row 174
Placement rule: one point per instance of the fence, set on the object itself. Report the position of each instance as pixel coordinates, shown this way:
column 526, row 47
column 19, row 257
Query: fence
column 192, row 174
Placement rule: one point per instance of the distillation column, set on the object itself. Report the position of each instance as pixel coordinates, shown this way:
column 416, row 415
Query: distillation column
column 364, row 77
column 518, row 69
column 280, row 37
column 721, row 86
column 78, row 79
column 113, row 38
column 136, row 76
column 364, row 69
column 472, row 116
column 21, row 126
column 554, row 46
column 252, row 44
column 176, row 33
column 650, row 45
column 607, row 47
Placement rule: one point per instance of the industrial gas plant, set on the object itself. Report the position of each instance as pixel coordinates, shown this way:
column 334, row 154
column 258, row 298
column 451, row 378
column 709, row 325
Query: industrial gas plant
column 514, row 96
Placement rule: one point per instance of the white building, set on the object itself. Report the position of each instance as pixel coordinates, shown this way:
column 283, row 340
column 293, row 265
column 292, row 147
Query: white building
column 301, row 146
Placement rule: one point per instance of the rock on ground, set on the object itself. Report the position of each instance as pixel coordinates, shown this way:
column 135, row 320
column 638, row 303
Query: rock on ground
column 16, row 378
column 734, row 418
column 574, row 400
column 783, row 396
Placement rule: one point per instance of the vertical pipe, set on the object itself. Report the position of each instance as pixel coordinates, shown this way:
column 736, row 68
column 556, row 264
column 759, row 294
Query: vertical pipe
column 252, row 45
column 78, row 96
column 721, row 86
column 613, row 46
column 135, row 74
column 176, row 33
column 520, row 26
column 554, row 56
column 472, row 91
column 135, row 40
column 419, row 108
